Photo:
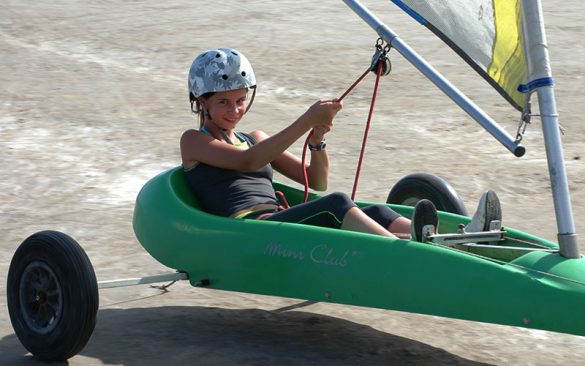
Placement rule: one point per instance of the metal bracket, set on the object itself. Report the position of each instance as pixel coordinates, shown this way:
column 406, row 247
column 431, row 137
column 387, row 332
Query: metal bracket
column 381, row 55
column 525, row 120
column 461, row 238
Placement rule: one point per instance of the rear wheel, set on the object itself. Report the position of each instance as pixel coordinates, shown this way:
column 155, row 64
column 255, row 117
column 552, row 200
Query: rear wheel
column 414, row 187
column 52, row 296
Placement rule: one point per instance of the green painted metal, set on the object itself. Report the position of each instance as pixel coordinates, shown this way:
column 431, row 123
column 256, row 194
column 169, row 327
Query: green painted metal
column 537, row 290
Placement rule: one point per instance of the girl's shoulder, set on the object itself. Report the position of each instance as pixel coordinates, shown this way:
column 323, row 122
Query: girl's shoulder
column 193, row 132
column 192, row 136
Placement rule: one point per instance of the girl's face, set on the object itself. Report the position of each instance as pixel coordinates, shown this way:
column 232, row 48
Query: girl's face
column 226, row 108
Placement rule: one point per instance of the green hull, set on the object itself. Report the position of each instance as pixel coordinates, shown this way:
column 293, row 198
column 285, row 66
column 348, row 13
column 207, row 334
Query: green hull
column 539, row 289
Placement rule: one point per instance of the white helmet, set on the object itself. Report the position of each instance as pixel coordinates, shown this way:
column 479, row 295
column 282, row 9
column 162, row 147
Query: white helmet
column 220, row 70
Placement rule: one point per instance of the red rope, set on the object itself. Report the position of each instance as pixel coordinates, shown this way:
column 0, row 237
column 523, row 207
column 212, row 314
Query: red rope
column 354, row 84
column 359, row 167
column 303, row 159
column 304, row 155
column 284, row 203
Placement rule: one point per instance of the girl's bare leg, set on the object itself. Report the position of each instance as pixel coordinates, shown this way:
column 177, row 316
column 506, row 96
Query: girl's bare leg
column 356, row 220
column 400, row 227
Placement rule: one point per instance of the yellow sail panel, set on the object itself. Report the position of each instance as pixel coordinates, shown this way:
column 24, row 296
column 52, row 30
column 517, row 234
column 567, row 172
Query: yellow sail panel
column 508, row 66
column 487, row 34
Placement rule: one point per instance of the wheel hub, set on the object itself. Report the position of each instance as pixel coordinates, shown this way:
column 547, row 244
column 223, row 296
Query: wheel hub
column 41, row 297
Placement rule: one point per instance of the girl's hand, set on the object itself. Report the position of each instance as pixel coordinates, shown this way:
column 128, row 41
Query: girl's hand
column 322, row 113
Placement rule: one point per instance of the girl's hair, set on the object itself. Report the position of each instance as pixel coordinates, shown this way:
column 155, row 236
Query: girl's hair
column 197, row 109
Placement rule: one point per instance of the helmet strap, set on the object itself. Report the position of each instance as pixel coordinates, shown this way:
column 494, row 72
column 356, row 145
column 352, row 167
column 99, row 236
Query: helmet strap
column 251, row 99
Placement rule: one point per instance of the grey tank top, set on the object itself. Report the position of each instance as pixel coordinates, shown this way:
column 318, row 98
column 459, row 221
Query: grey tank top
column 224, row 192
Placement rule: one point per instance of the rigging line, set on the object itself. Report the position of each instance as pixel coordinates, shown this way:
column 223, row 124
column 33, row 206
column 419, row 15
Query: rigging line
column 355, row 83
column 365, row 139
column 305, row 175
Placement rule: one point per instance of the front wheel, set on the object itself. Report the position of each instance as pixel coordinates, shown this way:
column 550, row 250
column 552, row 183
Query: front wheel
column 414, row 187
column 52, row 296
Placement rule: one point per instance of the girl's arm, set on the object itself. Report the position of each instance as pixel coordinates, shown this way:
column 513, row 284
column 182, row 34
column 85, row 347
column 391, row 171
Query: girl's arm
column 291, row 166
column 198, row 147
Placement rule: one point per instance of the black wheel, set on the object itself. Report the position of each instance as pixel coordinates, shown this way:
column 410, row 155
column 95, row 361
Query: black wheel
column 414, row 187
column 52, row 296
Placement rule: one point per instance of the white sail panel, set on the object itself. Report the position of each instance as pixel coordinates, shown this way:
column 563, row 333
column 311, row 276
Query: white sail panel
column 485, row 33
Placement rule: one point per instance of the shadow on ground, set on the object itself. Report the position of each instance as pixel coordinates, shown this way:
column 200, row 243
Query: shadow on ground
column 179, row 335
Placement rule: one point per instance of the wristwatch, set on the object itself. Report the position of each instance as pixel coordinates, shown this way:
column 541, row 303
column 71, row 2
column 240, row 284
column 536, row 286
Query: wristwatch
column 320, row 146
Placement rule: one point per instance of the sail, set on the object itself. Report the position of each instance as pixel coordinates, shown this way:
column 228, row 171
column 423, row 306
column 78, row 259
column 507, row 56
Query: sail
column 487, row 34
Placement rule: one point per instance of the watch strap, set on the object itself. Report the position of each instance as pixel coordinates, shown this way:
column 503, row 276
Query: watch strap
column 320, row 146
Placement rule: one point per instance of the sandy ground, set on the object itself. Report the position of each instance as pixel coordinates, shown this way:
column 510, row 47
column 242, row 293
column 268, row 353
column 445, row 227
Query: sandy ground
column 93, row 100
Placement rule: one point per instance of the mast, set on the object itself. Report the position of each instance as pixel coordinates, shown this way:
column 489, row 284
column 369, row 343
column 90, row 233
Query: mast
column 539, row 71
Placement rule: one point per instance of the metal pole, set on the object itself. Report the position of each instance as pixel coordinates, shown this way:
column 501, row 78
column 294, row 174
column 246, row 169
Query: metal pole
column 539, row 67
column 176, row 276
column 452, row 92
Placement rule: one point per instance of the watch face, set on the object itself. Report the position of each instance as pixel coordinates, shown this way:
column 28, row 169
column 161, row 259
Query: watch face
column 318, row 147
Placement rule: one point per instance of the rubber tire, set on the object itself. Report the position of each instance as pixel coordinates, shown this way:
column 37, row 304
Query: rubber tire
column 64, row 263
column 414, row 187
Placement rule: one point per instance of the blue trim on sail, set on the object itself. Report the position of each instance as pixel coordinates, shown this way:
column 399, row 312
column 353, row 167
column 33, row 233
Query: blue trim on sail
column 410, row 12
column 535, row 84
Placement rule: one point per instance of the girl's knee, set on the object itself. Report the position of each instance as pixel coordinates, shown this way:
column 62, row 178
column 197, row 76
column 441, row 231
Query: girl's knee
column 339, row 201
column 378, row 210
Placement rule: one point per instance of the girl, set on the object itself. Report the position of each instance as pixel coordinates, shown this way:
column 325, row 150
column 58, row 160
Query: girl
column 231, row 172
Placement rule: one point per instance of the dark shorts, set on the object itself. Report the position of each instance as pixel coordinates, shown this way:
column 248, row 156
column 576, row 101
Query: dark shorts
column 329, row 211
